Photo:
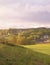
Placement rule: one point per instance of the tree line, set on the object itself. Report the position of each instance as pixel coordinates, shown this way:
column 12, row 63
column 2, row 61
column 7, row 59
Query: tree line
column 24, row 36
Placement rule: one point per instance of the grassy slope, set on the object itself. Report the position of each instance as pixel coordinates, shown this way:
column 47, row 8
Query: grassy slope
column 43, row 48
column 17, row 55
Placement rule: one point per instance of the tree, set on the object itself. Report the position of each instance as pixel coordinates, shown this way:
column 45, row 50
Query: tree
column 20, row 39
column 11, row 39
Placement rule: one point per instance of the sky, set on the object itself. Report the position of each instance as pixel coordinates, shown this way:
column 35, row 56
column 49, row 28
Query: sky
column 24, row 13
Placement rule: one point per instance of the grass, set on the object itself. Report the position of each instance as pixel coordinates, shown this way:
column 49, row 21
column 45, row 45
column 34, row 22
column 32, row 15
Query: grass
column 43, row 48
column 24, row 55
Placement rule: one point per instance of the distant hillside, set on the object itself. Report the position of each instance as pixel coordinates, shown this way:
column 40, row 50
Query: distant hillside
column 25, row 36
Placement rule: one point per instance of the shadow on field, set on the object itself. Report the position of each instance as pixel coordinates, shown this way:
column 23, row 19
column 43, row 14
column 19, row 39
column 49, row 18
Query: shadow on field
column 19, row 55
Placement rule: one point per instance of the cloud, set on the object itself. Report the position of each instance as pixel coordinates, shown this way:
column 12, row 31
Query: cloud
column 24, row 13
column 38, row 2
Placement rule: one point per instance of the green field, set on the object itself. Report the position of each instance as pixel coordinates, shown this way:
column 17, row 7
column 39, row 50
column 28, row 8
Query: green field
column 43, row 48
column 25, row 55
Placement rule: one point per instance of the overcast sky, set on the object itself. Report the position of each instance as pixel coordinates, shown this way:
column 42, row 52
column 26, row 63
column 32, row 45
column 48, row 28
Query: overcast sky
column 24, row 13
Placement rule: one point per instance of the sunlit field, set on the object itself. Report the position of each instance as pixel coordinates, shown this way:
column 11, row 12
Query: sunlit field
column 43, row 48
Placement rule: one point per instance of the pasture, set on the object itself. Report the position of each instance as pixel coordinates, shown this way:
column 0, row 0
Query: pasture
column 24, row 55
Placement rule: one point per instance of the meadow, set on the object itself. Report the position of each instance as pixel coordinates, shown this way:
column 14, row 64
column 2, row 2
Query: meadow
column 25, row 55
column 43, row 48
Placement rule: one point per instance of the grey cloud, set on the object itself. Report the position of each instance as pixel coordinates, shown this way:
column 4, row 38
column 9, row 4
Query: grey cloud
column 40, row 17
column 11, row 11
column 36, row 2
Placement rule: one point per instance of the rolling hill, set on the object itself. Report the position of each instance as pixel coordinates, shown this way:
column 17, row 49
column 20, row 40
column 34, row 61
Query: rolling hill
column 19, row 55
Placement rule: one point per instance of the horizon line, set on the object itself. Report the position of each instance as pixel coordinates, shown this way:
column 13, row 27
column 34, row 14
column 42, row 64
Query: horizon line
column 24, row 28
